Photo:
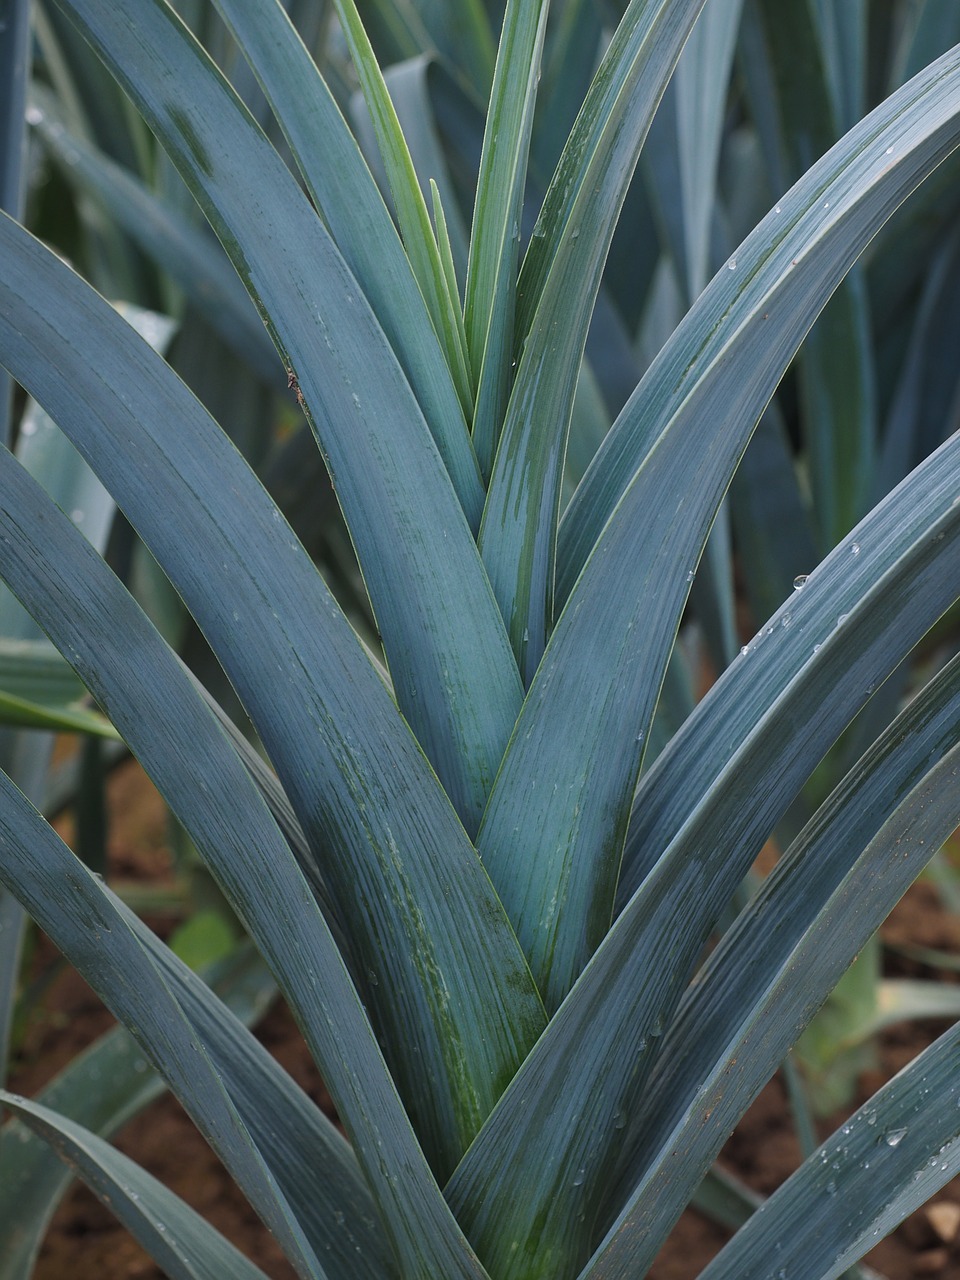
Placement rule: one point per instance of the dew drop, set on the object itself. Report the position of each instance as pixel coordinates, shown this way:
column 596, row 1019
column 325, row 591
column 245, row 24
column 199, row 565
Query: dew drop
column 732, row 264
column 575, row 233
column 579, row 1177
column 889, row 151
column 776, row 208
column 33, row 115
column 785, row 620
column 799, row 580
column 842, row 619
column 894, row 1137
column 855, row 548
column 745, row 650
column 690, row 575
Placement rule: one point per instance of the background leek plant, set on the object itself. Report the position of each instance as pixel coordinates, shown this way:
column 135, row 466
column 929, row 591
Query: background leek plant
column 484, row 860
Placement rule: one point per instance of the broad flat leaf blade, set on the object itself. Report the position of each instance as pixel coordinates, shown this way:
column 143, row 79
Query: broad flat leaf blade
column 100, row 1089
column 48, row 455
column 473, row 1010
column 177, row 1238
column 555, row 300
column 165, row 720
column 623, row 999
column 344, row 192
column 187, row 255
column 895, row 1153
column 336, row 1210
column 453, row 673
column 69, row 904
column 495, row 237
column 568, row 778
column 773, row 969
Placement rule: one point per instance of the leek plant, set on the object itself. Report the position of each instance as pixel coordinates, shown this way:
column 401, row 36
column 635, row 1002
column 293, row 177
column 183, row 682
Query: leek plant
column 484, row 899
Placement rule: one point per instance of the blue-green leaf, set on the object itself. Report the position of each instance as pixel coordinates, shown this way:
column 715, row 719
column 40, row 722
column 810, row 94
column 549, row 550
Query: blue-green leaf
column 164, row 235
column 773, row 969
column 495, row 237
column 473, row 1007
column 845, row 631
column 453, row 673
column 175, row 1236
column 555, row 299
column 348, row 200
column 895, row 1153
column 157, row 708
column 103, row 1087
column 684, row 429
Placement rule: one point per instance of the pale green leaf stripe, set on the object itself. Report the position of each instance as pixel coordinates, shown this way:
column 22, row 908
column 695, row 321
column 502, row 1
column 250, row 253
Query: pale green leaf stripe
column 495, row 239
column 412, row 215
column 692, row 416
column 841, row 877
column 450, row 974
column 443, row 238
column 636, row 976
column 418, row 88
column 56, row 718
column 132, row 672
column 174, row 1235
column 518, row 533
column 347, row 197
column 39, row 690
column 894, row 1154
column 455, row 678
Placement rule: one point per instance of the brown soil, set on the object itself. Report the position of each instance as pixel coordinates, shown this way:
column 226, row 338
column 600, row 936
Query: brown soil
column 85, row 1242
